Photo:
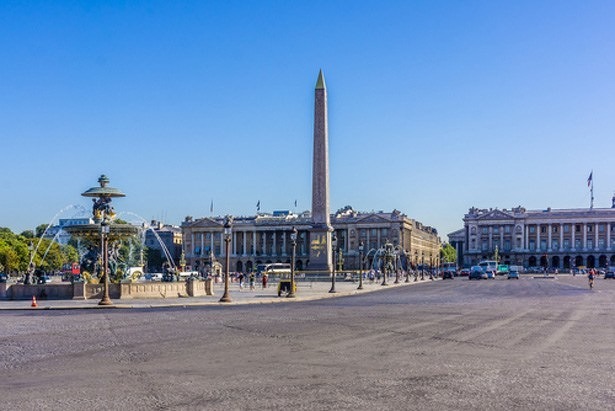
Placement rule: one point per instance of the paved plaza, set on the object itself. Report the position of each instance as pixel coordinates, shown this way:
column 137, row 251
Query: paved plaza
column 490, row 344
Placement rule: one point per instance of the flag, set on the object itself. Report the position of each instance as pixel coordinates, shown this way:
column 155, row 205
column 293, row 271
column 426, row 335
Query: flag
column 258, row 205
column 295, row 203
column 211, row 207
column 590, row 178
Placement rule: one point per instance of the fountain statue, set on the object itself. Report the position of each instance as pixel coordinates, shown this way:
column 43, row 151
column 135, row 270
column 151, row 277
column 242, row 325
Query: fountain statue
column 103, row 236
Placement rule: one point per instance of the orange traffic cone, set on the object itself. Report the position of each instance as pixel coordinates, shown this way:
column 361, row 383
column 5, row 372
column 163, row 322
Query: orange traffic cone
column 34, row 304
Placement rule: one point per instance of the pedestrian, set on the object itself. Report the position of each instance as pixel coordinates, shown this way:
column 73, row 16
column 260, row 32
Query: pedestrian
column 265, row 280
column 240, row 278
column 252, row 279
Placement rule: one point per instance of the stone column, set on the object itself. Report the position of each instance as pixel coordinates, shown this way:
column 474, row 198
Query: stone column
column 253, row 250
column 274, row 249
column 284, row 243
column 584, row 237
column 608, row 236
column 538, row 237
column 572, row 233
column 245, row 243
column 264, row 245
column 561, row 237
column 549, row 239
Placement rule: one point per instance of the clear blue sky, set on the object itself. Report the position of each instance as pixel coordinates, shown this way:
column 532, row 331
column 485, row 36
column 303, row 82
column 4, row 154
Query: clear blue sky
column 434, row 106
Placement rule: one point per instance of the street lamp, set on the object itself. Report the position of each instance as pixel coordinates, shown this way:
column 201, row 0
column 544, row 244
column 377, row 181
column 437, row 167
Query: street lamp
column 104, row 236
column 334, row 244
column 293, row 243
column 228, row 224
column 361, row 248
column 422, row 265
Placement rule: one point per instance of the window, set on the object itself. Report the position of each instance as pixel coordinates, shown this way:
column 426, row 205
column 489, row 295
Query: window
column 485, row 245
column 532, row 229
column 485, row 230
column 577, row 243
column 506, row 245
column 507, row 229
column 543, row 229
column 384, row 232
column 543, row 245
column 518, row 243
column 566, row 228
column 601, row 243
column 532, row 245
column 601, row 228
column 496, row 230
column 566, row 244
column 554, row 229
column 577, row 228
column 590, row 243
column 590, row 228
column 555, row 244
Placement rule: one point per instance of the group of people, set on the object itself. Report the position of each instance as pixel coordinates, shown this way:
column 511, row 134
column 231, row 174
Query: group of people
column 251, row 280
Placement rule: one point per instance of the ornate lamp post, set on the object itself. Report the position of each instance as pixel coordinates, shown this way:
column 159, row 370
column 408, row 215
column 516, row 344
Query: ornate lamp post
column 386, row 261
column 104, row 243
column 361, row 248
column 293, row 243
column 334, row 244
column 416, row 263
column 408, row 263
column 422, row 266
column 228, row 225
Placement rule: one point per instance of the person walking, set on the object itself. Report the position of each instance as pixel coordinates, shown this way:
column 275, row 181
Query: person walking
column 265, row 280
column 252, row 279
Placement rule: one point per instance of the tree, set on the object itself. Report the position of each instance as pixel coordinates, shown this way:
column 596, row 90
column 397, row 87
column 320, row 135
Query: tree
column 448, row 253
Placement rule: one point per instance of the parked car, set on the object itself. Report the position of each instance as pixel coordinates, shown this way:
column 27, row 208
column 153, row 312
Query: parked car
column 477, row 273
column 513, row 274
column 609, row 274
column 490, row 275
column 156, row 277
column 464, row 272
column 447, row 275
column 43, row 279
column 3, row 278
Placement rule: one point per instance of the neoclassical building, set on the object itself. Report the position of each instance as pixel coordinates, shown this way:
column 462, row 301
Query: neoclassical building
column 265, row 238
column 554, row 238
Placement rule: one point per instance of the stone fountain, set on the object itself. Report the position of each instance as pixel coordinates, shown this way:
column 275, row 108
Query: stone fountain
column 102, row 231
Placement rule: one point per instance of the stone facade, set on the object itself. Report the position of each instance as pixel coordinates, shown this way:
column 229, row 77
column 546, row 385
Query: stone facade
column 265, row 238
column 165, row 238
column 552, row 238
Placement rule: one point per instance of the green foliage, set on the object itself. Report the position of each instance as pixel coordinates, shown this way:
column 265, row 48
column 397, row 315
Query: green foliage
column 448, row 253
column 15, row 252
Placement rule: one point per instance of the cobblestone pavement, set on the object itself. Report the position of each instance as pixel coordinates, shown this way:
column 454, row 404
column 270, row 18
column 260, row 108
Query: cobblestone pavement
column 539, row 344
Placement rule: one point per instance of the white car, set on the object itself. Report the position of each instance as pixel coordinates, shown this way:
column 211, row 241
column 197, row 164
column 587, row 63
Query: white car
column 156, row 277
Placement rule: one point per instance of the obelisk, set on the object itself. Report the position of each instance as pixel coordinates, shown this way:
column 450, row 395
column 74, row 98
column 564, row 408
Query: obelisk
column 320, row 233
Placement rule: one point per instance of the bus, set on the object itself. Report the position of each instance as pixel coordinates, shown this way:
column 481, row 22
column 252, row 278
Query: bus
column 274, row 269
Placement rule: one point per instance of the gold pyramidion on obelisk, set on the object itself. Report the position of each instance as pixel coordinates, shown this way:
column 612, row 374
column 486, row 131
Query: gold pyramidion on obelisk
column 320, row 234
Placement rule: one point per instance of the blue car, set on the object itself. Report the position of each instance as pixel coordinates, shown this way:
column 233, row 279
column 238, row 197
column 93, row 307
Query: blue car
column 513, row 274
